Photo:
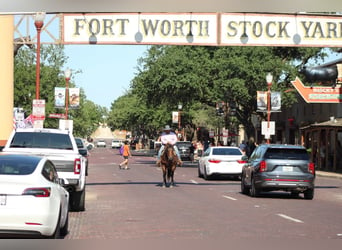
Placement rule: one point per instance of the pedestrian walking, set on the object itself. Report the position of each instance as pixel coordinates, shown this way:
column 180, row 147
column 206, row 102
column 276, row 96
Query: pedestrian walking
column 125, row 154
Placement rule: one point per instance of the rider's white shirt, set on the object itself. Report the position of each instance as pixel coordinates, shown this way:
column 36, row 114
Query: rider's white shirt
column 168, row 138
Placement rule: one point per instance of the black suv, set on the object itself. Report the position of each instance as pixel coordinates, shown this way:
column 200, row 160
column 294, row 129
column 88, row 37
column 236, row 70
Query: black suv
column 279, row 167
column 184, row 148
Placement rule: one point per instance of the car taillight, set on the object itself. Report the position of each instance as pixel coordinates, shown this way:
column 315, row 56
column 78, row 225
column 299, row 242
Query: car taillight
column 311, row 167
column 241, row 161
column 263, row 166
column 38, row 192
column 77, row 166
column 214, row 161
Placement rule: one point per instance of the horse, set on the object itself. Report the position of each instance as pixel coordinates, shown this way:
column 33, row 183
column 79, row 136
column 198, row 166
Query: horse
column 168, row 164
column 21, row 41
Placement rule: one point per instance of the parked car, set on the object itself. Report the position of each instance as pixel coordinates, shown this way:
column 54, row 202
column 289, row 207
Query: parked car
column 221, row 161
column 184, row 149
column 101, row 143
column 83, row 151
column 279, row 167
column 117, row 143
column 33, row 202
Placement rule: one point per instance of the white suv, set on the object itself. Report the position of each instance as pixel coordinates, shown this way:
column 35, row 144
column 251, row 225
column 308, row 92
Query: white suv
column 101, row 143
column 116, row 143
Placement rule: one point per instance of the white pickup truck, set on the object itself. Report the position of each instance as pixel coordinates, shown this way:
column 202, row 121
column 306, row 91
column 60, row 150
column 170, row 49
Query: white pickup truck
column 60, row 147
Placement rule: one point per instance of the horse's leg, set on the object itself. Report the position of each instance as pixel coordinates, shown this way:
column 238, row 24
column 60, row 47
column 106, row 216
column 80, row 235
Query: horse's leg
column 164, row 175
column 172, row 170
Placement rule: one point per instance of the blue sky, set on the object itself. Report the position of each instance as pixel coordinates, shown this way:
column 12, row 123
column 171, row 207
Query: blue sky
column 107, row 70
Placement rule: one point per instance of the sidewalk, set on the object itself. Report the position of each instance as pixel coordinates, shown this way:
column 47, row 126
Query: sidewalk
column 329, row 174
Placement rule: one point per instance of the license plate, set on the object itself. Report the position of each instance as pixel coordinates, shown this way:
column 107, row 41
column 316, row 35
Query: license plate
column 287, row 169
column 3, row 199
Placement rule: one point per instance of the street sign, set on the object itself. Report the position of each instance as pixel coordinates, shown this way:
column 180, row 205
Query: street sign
column 59, row 116
column 38, row 109
column 265, row 130
column 318, row 94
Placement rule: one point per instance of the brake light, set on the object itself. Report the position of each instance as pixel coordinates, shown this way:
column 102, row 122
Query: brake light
column 241, row 161
column 214, row 161
column 311, row 167
column 263, row 166
column 77, row 166
column 38, row 192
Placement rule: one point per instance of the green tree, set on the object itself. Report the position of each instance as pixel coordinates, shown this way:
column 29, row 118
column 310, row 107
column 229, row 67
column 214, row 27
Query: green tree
column 53, row 61
column 201, row 76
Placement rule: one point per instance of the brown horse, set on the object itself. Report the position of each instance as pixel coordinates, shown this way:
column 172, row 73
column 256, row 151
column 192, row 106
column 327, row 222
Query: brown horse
column 168, row 164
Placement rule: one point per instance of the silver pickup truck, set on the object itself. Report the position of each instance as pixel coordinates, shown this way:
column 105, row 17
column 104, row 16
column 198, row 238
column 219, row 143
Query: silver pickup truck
column 60, row 147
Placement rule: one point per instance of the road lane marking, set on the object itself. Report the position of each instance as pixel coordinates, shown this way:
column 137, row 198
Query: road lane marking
column 228, row 197
column 194, row 182
column 290, row 218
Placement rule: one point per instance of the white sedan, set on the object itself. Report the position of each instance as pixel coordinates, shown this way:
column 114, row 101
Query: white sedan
column 221, row 161
column 32, row 201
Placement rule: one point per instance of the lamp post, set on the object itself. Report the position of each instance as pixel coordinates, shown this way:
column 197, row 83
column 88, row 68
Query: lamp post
column 269, row 79
column 38, row 22
column 67, row 74
column 180, row 106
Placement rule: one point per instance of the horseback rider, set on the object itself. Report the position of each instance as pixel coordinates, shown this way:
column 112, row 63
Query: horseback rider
column 170, row 137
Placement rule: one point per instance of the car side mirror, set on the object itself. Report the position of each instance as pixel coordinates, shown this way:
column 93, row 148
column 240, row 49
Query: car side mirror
column 200, row 153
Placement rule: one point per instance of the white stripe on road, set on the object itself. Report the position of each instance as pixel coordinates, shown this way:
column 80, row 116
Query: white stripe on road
column 290, row 218
column 194, row 182
column 228, row 197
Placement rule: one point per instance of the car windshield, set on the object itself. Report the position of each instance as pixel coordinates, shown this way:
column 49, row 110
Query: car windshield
column 17, row 167
column 41, row 140
column 226, row 151
column 287, row 153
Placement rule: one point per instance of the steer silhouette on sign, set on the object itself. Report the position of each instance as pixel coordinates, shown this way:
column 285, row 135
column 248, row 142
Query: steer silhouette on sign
column 327, row 73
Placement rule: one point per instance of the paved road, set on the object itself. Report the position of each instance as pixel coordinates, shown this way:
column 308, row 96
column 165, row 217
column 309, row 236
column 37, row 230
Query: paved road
column 131, row 204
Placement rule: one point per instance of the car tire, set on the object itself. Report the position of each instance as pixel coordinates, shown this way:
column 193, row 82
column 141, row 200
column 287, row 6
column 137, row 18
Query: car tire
column 205, row 174
column 78, row 200
column 244, row 188
column 57, row 233
column 254, row 191
column 309, row 194
column 65, row 228
column 199, row 172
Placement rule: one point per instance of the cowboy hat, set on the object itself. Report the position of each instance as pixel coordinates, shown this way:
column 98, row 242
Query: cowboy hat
column 167, row 127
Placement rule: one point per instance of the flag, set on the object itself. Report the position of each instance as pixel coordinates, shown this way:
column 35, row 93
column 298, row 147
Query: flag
column 59, row 97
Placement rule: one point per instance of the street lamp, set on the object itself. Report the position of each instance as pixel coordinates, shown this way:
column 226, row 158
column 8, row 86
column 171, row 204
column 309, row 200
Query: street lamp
column 269, row 79
column 38, row 22
column 180, row 106
column 67, row 74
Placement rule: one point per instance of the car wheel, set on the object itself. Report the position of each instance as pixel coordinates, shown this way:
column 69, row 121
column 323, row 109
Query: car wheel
column 254, row 192
column 78, row 200
column 309, row 194
column 244, row 188
column 65, row 228
column 205, row 174
column 57, row 232
column 199, row 171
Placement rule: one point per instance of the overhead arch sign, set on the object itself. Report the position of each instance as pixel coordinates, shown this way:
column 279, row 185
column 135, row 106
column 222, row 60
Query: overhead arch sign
column 212, row 29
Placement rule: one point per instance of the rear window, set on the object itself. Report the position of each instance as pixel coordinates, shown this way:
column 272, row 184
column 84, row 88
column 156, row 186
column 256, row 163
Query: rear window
column 79, row 143
column 226, row 151
column 287, row 153
column 41, row 140
column 14, row 167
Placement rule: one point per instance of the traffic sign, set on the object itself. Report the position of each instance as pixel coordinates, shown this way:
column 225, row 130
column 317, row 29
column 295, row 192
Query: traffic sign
column 38, row 109
column 318, row 94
